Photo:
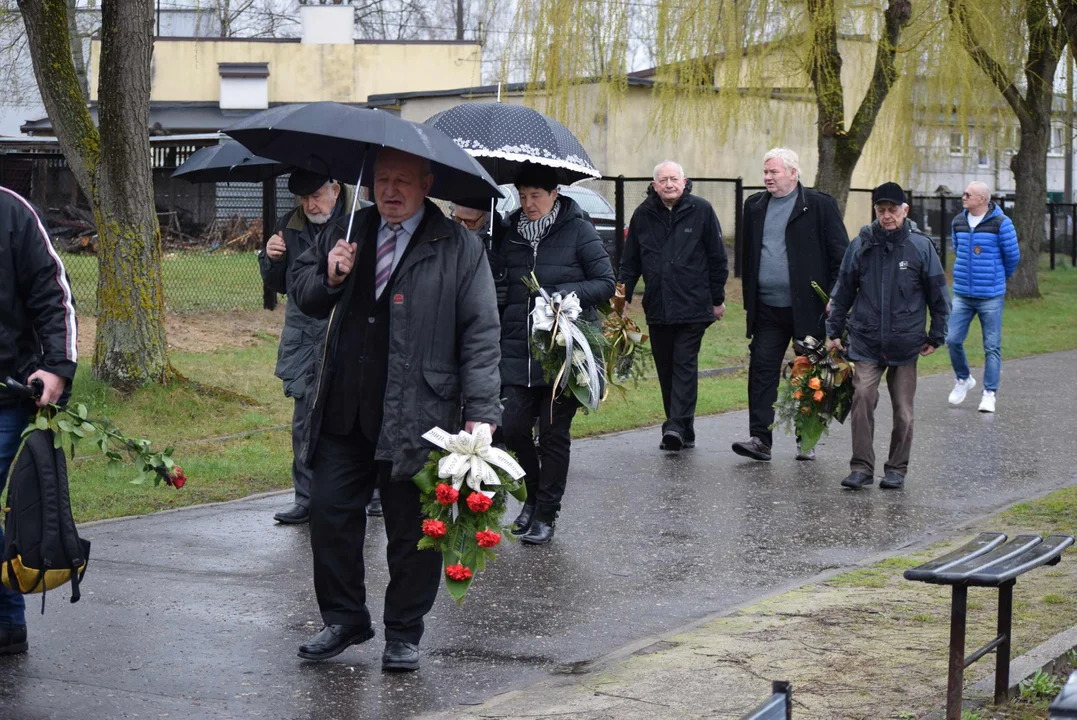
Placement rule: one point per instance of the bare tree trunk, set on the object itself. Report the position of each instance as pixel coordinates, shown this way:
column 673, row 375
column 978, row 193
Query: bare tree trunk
column 459, row 19
column 840, row 149
column 1029, row 168
column 113, row 169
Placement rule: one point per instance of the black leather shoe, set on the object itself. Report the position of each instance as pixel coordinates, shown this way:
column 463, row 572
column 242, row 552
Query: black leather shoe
column 755, row 449
column 333, row 640
column 857, row 480
column 672, row 441
column 522, row 522
column 689, row 444
column 892, row 481
column 295, row 515
column 400, row 656
column 373, row 508
column 13, row 639
column 540, row 533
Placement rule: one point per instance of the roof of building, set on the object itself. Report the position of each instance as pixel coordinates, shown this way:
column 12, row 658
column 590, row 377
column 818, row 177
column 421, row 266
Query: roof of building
column 391, row 99
column 170, row 118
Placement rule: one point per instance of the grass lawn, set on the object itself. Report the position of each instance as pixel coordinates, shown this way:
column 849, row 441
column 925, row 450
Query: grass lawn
column 194, row 281
column 256, row 457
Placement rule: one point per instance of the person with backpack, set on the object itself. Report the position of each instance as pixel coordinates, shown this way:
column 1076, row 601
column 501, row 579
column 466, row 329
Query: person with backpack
column 38, row 340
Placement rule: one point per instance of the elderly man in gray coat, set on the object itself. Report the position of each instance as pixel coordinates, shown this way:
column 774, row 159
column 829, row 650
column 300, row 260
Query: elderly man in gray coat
column 321, row 203
column 413, row 343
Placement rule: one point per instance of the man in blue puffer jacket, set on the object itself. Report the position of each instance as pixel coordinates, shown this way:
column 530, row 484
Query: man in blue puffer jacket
column 985, row 256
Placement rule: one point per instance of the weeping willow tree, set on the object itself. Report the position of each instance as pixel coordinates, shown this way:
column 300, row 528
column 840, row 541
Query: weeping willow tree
column 1005, row 77
column 720, row 63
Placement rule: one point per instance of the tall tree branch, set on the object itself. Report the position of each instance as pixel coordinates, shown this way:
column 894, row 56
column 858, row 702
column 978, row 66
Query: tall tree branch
column 994, row 70
column 897, row 16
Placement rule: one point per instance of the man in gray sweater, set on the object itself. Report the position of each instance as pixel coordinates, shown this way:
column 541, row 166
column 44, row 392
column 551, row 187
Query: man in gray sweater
column 793, row 236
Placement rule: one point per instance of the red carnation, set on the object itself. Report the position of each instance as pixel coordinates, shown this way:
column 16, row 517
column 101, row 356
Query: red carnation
column 178, row 478
column 434, row 528
column 458, row 572
column 478, row 502
column 487, row 538
column 447, row 495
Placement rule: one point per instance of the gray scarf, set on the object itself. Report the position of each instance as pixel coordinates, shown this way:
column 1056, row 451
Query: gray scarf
column 534, row 230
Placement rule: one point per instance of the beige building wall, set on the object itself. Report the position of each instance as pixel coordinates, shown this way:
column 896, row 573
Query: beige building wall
column 186, row 70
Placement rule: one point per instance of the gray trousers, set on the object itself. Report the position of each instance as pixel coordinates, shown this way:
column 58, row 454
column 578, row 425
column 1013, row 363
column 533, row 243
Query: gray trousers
column 901, row 381
column 301, row 471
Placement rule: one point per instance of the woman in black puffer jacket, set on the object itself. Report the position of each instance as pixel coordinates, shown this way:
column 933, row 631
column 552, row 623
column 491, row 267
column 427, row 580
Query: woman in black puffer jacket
column 551, row 236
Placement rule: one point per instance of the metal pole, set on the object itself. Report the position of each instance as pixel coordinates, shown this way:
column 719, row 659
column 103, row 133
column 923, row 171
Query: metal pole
column 1002, row 654
column 944, row 231
column 618, row 222
column 955, row 680
column 1069, row 128
column 269, row 222
column 738, row 225
column 1073, row 232
column 1051, row 210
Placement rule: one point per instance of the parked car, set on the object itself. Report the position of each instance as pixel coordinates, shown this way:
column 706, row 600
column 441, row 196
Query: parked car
column 602, row 214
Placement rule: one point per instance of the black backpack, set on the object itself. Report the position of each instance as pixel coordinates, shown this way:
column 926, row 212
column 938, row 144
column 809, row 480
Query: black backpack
column 42, row 548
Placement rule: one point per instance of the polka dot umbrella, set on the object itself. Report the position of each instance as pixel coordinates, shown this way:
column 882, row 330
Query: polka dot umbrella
column 504, row 138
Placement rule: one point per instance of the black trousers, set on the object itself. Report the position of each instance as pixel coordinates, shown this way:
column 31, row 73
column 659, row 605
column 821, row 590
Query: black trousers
column 676, row 358
column 547, row 465
column 771, row 335
column 345, row 475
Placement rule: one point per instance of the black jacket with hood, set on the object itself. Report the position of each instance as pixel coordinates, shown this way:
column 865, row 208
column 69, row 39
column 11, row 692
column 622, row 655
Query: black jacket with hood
column 38, row 329
column 681, row 256
column 890, row 280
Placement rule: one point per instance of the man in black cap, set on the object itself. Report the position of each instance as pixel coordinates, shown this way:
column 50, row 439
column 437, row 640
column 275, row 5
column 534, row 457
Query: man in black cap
column 321, row 204
column 892, row 272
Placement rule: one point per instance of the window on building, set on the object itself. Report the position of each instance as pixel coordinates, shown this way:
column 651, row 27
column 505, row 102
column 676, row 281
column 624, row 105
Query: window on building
column 957, row 143
column 982, row 159
column 1058, row 141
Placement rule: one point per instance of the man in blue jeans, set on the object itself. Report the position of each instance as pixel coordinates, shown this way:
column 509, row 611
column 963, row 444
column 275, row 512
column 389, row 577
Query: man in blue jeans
column 37, row 341
column 985, row 256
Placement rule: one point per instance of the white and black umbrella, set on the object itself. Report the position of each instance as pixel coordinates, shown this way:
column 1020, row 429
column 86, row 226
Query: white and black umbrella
column 504, row 138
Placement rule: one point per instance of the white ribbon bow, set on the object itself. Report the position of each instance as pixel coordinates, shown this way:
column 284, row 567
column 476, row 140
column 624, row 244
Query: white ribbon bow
column 558, row 314
column 469, row 460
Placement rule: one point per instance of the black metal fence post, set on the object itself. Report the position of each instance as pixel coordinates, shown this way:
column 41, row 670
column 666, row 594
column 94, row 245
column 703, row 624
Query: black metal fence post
column 945, row 230
column 269, row 222
column 619, row 222
column 1073, row 233
column 1051, row 213
column 738, row 224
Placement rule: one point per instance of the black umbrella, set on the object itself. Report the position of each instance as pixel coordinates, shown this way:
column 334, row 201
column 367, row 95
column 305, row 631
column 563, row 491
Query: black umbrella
column 228, row 162
column 342, row 141
column 504, row 138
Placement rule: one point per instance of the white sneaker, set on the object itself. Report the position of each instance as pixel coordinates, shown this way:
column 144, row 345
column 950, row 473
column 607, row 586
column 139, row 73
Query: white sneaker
column 987, row 402
column 961, row 389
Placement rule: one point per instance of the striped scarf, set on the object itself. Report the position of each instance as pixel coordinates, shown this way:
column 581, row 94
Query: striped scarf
column 534, row 230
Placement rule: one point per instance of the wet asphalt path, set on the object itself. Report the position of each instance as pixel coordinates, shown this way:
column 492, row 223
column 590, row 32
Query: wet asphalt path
column 198, row 614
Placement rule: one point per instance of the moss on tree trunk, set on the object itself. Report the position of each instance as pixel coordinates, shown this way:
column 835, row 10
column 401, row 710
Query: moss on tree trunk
column 112, row 167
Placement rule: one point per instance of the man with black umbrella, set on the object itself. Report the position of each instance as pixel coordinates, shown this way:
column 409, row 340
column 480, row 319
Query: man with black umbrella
column 412, row 340
column 320, row 203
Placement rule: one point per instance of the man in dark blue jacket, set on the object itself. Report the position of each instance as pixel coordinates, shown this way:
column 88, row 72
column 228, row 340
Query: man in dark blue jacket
column 675, row 242
column 890, row 277
column 37, row 340
column 985, row 256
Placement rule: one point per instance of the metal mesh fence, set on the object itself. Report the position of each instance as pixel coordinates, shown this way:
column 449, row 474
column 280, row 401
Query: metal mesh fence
column 210, row 233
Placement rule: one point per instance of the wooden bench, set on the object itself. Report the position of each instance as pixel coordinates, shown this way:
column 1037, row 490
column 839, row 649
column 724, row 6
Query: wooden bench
column 987, row 561
column 779, row 706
